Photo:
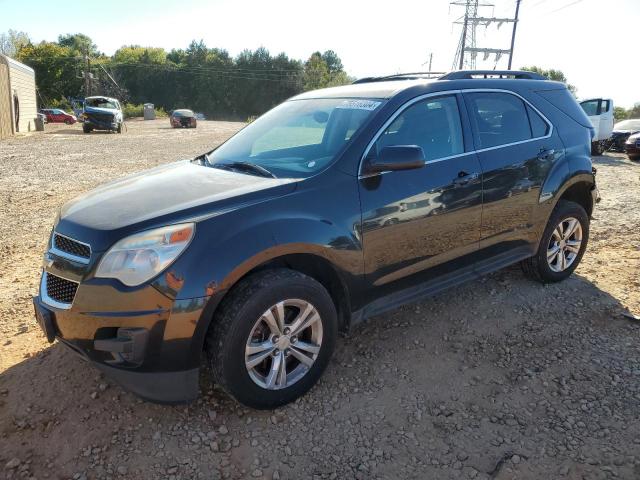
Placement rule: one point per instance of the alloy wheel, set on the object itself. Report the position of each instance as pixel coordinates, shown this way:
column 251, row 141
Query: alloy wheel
column 564, row 244
column 284, row 343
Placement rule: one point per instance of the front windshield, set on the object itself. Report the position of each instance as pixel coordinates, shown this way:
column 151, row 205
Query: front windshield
column 182, row 113
column 100, row 103
column 297, row 138
column 633, row 124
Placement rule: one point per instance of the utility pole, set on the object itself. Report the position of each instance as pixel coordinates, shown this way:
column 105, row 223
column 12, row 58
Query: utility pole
column 470, row 21
column 513, row 33
column 87, row 75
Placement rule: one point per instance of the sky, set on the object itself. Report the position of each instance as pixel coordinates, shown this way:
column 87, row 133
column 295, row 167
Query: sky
column 591, row 41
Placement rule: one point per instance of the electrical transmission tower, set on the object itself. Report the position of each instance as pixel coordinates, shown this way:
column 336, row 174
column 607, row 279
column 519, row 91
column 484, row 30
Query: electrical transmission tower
column 467, row 51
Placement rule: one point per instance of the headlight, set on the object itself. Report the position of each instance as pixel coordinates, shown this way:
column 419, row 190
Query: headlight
column 140, row 257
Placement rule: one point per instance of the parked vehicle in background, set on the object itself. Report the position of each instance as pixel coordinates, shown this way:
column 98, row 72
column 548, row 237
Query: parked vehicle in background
column 261, row 250
column 621, row 131
column 42, row 117
column 57, row 115
column 600, row 113
column 183, row 118
column 101, row 113
column 632, row 146
column 200, row 116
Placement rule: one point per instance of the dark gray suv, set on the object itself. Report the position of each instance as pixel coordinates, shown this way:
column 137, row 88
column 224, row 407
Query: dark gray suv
column 335, row 206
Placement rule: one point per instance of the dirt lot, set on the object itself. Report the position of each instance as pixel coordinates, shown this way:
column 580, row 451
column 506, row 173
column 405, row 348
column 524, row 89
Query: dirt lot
column 501, row 378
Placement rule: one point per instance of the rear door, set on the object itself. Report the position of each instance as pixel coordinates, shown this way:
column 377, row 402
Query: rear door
column 517, row 147
column 424, row 223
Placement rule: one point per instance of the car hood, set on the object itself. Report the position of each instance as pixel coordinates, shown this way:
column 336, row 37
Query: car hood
column 173, row 193
column 624, row 132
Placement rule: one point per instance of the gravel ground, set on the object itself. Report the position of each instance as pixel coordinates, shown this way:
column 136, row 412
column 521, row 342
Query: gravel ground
column 501, row 378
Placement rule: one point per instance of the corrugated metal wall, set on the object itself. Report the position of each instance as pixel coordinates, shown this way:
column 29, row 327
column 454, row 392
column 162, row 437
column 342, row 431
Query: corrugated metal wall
column 5, row 106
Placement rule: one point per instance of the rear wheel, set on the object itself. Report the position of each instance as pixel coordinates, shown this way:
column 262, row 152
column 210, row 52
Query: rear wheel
column 272, row 338
column 119, row 129
column 562, row 245
column 597, row 148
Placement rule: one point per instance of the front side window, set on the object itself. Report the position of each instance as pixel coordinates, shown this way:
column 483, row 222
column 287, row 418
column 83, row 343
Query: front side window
column 590, row 107
column 297, row 138
column 499, row 118
column 433, row 124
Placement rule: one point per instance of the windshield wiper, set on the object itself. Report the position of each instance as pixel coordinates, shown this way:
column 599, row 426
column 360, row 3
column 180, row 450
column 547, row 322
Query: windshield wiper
column 245, row 167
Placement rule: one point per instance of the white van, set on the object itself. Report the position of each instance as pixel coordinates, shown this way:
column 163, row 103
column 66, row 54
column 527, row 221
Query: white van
column 600, row 112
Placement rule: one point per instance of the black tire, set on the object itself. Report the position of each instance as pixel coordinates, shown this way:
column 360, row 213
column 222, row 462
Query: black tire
column 633, row 157
column 86, row 128
column 537, row 267
column 233, row 323
column 67, row 122
column 597, row 148
column 119, row 129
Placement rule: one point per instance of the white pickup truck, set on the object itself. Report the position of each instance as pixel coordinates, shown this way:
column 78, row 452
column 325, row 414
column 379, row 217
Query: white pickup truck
column 600, row 113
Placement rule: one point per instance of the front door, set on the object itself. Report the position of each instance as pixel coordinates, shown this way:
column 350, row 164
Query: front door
column 420, row 224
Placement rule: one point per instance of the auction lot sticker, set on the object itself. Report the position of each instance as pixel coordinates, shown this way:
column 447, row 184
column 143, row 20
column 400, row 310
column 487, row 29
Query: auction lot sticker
column 359, row 104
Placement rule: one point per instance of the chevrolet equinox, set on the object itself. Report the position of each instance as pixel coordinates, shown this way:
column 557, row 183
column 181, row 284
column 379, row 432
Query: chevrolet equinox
column 337, row 205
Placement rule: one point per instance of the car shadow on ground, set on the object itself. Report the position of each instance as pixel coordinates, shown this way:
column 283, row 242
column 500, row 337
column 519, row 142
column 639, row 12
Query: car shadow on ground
column 412, row 382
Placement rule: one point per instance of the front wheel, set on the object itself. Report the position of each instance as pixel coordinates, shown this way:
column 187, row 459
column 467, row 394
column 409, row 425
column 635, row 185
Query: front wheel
column 562, row 245
column 119, row 129
column 86, row 128
column 272, row 338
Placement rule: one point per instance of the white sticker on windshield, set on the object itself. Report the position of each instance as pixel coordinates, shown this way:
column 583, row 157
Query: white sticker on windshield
column 359, row 104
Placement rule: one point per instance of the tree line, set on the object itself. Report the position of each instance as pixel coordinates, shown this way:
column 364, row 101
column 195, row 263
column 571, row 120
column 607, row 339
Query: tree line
column 201, row 78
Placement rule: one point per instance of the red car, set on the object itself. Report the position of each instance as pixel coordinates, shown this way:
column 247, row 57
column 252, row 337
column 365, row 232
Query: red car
column 183, row 118
column 56, row 115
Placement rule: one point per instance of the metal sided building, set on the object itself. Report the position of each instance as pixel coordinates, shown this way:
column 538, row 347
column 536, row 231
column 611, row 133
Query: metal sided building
column 18, row 109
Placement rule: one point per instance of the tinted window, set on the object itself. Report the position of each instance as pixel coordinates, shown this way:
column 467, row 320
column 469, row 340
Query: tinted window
column 605, row 106
column 298, row 138
column 590, row 107
column 433, row 124
column 538, row 126
column 500, row 118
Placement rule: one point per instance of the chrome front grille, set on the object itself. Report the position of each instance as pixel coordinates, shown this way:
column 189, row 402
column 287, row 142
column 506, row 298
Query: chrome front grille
column 59, row 289
column 69, row 248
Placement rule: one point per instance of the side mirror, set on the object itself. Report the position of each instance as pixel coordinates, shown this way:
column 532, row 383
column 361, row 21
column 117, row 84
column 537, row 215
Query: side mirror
column 397, row 157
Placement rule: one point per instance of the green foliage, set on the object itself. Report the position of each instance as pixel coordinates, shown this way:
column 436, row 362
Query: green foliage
column 56, row 70
column 324, row 70
column 621, row 113
column 552, row 74
column 131, row 110
column 79, row 44
column 12, row 41
column 203, row 79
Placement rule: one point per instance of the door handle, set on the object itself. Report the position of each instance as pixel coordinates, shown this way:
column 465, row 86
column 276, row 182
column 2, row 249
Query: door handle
column 464, row 178
column 546, row 154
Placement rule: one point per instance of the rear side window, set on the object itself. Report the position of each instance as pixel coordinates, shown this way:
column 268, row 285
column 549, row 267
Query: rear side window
column 539, row 127
column 433, row 124
column 499, row 118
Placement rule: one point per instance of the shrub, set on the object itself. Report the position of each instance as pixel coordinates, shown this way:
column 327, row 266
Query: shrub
column 131, row 110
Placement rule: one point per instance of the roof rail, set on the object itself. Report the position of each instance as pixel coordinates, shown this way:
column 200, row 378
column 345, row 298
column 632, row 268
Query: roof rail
column 469, row 74
column 401, row 76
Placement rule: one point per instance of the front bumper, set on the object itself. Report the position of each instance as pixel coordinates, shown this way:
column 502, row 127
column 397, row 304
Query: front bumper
column 632, row 148
column 140, row 337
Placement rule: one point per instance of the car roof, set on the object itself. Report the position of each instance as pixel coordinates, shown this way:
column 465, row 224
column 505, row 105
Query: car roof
column 387, row 87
